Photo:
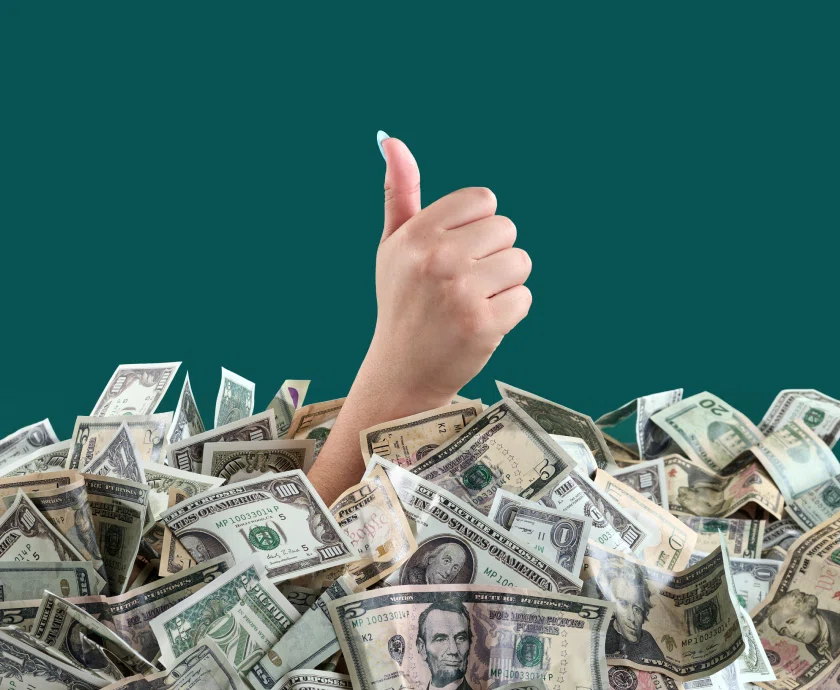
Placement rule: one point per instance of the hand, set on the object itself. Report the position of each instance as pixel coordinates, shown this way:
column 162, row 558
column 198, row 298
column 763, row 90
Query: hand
column 449, row 282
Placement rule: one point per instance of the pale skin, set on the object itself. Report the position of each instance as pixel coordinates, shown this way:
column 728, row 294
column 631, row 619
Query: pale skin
column 449, row 287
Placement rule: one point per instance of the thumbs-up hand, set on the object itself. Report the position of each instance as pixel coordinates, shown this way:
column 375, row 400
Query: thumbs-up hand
column 449, row 282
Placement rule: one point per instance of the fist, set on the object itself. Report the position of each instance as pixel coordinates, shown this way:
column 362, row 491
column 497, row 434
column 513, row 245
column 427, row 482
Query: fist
column 449, row 282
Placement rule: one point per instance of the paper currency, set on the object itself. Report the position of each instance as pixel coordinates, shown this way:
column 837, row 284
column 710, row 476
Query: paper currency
column 118, row 509
column 410, row 439
column 796, row 458
column 648, row 479
column 799, row 620
column 119, row 458
column 186, row 421
column 650, row 438
column 235, row 400
column 241, row 611
column 235, row 462
column 279, row 517
column 816, row 505
column 38, row 482
column 743, row 537
column 310, row 679
column 668, row 542
column 819, row 412
column 92, row 434
column 556, row 419
column 695, row 490
column 46, row 459
column 525, row 685
column 187, row 455
column 204, row 667
column 503, row 448
column 135, row 389
column 302, row 598
column 611, row 525
column 160, row 479
column 577, row 448
column 371, row 516
column 782, row 533
column 457, row 545
column 315, row 422
column 707, row 429
column 753, row 577
column 173, row 556
column 21, row 581
column 288, row 399
column 25, row 441
column 622, row 453
column 311, row 641
column 559, row 536
column 468, row 636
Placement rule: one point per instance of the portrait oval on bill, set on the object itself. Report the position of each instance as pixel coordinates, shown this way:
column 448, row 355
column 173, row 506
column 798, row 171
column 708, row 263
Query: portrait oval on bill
column 442, row 560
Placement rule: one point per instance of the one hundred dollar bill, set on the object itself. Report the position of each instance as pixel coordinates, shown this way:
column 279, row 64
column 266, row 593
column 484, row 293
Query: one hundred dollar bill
column 650, row 438
column 753, row 577
column 21, row 581
column 707, row 429
column 279, row 517
column 559, row 536
column 235, row 399
column 819, row 412
column 135, row 389
column 26, row 440
column 503, row 448
column 50, row 458
column 742, row 537
column 235, row 462
column 186, row 420
column 315, row 422
column 187, row 455
column 693, row 489
column 577, row 448
column 288, row 399
column 119, row 458
column 556, row 419
column 391, row 637
column 648, row 479
column 456, row 544
column 816, row 505
column 92, row 434
column 161, row 479
column 410, row 439
column 241, row 611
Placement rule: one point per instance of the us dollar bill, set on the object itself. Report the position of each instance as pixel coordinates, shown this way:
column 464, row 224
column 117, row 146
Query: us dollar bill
column 742, row 537
column 22, row 581
column 92, row 434
column 135, row 389
column 556, row 419
column 578, row 450
column 410, row 439
column 668, row 542
column 241, row 611
column 503, row 448
column 187, row 455
column 626, row 678
column 799, row 620
column 707, row 429
column 536, row 684
column 576, row 494
column 648, row 479
column 302, row 598
column 782, row 534
column 240, row 461
column 559, row 536
column 118, row 510
column 279, row 517
column 391, row 636
column 796, row 458
column 186, row 421
column 119, row 458
column 235, row 399
column 693, row 489
column 623, row 454
column 50, row 458
column 816, row 505
column 160, row 479
column 456, row 544
column 753, row 577
column 313, row 639
column 26, row 440
column 313, row 679
column 284, row 403
column 315, row 422
column 32, row 668
column 819, row 411
column 205, row 667
column 371, row 516
column 85, row 642
column 650, row 438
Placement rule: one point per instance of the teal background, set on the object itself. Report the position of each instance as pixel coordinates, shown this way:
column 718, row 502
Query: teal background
column 199, row 181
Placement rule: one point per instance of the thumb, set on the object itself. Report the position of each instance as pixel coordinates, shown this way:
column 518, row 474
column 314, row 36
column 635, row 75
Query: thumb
column 402, row 183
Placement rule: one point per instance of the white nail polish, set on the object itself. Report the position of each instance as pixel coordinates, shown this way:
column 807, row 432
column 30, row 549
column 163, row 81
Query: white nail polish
column 380, row 137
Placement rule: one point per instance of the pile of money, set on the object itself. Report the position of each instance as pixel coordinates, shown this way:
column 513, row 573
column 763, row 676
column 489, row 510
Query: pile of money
column 515, row 545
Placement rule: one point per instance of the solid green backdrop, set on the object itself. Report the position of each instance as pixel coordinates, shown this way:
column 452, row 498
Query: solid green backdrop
column 200, row 181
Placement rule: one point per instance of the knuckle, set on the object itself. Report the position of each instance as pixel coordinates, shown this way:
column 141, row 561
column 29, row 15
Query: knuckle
column 522, row 261
column 507, row 229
